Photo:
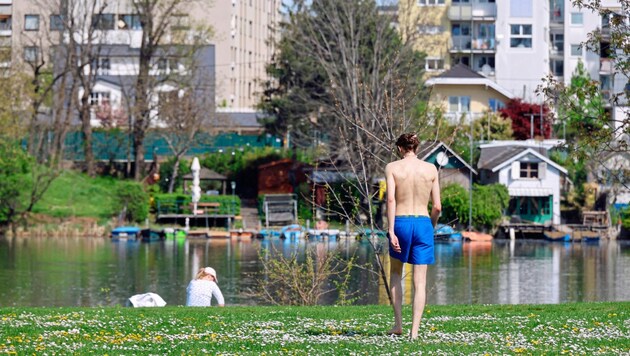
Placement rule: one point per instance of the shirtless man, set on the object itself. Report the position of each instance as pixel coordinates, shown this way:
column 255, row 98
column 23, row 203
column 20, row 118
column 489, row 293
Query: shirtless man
column 410, row 184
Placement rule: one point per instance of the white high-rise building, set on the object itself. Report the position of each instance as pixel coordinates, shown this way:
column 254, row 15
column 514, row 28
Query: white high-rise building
column 516, row 43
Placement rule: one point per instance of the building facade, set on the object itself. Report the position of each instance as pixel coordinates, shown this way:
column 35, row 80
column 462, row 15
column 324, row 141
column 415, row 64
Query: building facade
column 241, row 30
column 516, row 43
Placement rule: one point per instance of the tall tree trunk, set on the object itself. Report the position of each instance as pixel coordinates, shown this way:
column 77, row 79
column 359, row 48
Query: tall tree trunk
column 86, row 128
column 174, row 174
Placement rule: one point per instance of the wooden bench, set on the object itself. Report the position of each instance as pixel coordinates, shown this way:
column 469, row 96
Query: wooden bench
column 206, row 207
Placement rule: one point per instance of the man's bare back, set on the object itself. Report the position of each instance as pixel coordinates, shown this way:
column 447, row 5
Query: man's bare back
column 413, row 181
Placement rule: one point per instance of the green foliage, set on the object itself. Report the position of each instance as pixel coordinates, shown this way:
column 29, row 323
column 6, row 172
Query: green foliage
column 131, row 197
column 577, row 172
column 454, row 204
column 489, row 202
column 166, row 171
column 492, row 127
column 181, row 202
column 488, row 205
column 15, row 164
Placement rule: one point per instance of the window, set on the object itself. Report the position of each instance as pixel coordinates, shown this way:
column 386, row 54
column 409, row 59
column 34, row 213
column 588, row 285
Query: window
column 99, row 97
column 433, row 64
column 521, row 36
column 430, row 2
column 56, row 23
column 31, row 22
column 162, row 64
column 102, row 66
column 462, row 29
column 557, row 42
column 461, row 1
column 557, row 67
column 529, row 170
column 430, row 29
column 180, row 22
column 495, row 104
column 5, row 23
column 576, row 50
column 31, row 54
column 458, row 103
column 103, row 21
column 577, row 18
column 129, row 22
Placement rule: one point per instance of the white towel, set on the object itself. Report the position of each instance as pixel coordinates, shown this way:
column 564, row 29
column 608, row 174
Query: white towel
column 147, row 300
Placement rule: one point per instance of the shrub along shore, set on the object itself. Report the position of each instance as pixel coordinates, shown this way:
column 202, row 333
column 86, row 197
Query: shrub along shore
column 573, row 328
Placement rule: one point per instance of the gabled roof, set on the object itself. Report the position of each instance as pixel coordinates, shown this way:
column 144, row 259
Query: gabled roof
column 461, row 74
column 427, row 148
column 460, row 71
column 514, row 154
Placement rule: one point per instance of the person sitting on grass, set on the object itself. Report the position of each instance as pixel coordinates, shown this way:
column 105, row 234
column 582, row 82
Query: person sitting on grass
column 201, row 289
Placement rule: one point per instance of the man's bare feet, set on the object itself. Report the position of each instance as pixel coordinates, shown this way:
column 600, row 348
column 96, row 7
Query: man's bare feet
column 395, row 331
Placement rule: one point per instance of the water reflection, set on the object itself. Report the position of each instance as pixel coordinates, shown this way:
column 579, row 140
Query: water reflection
column 93, row 272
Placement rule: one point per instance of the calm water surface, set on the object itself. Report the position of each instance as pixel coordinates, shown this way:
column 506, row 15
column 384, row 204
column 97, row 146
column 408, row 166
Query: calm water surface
column 96, row 271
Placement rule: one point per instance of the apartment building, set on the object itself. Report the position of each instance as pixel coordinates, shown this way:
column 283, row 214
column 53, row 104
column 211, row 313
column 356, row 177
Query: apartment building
column 241, row 33
column 513, row 42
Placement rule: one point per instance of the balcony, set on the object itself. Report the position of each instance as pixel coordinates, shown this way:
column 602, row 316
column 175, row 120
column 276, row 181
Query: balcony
column 606, row 66
column 6, row 2
column 463, row 12
column 556, row 14
column 478, row 45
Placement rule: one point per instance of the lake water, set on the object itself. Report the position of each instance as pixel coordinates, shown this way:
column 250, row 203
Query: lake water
column 97, row 272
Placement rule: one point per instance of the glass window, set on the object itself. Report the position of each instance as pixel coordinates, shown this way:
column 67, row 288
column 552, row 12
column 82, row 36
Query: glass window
column 430, row 2
column 56, row 23
column 495, row 104
column 98, row 98
column 529, row 170
column 577, row 18
column 103, row 21
column 458, row 29
column 521, row 36
column 458, row 103
column 129, row 22
column 557, row 67
column 31, row 22
column 433, row 64
column 31, row 54
column 180, row 22
column 576, row 50
column 557, row 42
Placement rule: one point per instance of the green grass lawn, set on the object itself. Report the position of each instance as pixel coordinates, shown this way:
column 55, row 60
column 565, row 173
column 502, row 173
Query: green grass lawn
column 577, row 329
column 75, row 194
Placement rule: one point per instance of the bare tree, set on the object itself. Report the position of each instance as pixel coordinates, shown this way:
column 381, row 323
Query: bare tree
column 156, row 20
column 362, row 79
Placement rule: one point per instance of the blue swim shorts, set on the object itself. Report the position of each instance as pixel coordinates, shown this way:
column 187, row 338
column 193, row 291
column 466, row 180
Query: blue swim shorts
column 415, row 237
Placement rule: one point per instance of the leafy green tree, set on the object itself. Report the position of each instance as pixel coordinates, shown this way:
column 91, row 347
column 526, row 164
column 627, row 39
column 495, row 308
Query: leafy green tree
column 492, row 126
column 15, row 164
column 590, row 130
column 133, row 201
column 488, row 204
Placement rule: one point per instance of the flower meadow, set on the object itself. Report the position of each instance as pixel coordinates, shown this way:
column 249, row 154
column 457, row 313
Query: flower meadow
column 572, row 329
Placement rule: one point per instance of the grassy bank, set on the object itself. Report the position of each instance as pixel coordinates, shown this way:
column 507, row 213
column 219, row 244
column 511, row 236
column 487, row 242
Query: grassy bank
column 75, row 194
column 584, row 328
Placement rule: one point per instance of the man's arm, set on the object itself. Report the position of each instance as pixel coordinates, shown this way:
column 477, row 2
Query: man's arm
column 391, row 207
column 436, row 203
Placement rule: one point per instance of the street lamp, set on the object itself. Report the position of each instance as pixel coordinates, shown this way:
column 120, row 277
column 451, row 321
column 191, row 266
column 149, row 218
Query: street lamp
column 232, row 205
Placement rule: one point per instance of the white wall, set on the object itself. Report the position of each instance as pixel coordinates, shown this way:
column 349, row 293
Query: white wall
column 520, row 70
column 551, row 180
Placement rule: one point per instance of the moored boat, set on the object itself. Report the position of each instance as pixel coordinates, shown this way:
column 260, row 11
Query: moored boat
column 151, row 235
column 476, row 236
column 444, row 232
column 129, row 233
column 558, row 236
column 323, row 233
column 293, row 231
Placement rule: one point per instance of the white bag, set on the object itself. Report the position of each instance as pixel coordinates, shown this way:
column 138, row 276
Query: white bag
column 147, row 300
